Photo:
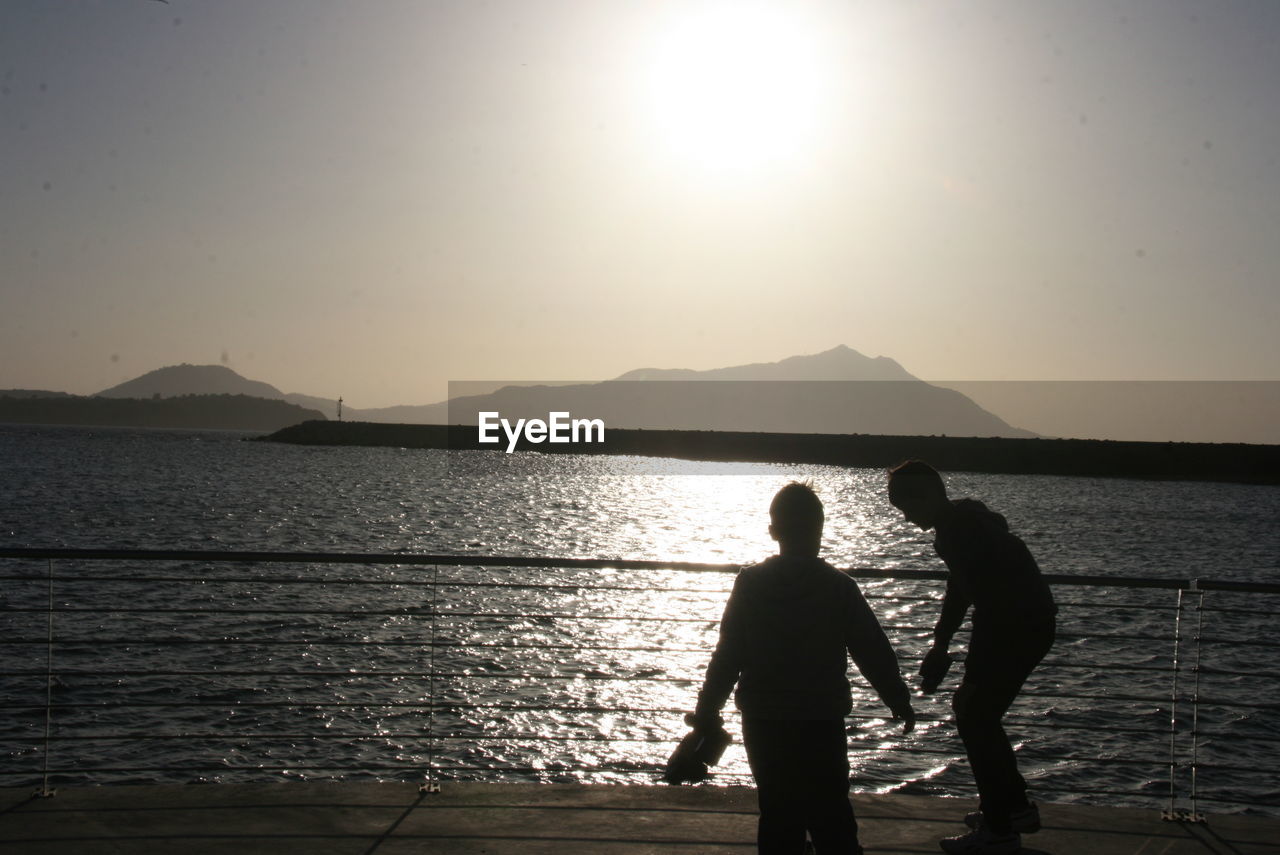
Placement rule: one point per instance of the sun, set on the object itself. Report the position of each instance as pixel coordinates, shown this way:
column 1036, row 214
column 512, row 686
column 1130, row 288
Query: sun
column 737, row 85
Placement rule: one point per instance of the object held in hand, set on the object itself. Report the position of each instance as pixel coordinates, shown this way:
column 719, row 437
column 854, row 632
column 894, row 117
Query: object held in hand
column 698, row 750
column 933, row 670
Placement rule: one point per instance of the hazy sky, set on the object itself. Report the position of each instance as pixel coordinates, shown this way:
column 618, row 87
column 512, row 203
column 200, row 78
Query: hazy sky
column 370, row 199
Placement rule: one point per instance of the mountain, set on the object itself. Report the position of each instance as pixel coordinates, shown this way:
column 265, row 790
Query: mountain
column 838, row 391
column 838, row 363
column 186, row 379
column 191, row 380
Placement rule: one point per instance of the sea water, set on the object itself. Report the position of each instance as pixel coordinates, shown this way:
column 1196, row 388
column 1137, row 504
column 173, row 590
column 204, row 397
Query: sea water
column 576, row 674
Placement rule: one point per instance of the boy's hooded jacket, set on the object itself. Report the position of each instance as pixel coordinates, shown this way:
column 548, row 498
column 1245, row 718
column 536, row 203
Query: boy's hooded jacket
column 788, row 631
column 991, row 568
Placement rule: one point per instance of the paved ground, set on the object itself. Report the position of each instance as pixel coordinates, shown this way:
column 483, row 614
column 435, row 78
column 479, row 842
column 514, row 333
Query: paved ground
column 538, row 819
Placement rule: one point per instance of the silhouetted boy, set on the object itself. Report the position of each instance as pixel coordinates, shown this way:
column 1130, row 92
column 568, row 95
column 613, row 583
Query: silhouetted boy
column 789, row 626
column 1013, row 628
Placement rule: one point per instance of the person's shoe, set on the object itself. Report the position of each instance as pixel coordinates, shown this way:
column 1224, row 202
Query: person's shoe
column 982, row 841
column 1025, row 821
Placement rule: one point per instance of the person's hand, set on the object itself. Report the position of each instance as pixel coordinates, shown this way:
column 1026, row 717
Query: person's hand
column 934, row 667
column 907, row 716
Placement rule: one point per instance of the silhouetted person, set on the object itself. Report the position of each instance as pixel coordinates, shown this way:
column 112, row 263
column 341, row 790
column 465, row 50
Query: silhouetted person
column 787, row 632
column 1013, row 628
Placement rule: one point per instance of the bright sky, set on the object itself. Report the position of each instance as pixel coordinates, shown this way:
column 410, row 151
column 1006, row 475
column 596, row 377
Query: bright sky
column 371, row 199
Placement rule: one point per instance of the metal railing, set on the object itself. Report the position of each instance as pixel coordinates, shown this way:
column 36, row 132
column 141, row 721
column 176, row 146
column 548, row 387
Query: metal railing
column 257, row 665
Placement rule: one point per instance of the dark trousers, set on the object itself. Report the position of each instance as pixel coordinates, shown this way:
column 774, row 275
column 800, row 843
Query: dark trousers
column 802, row 777
column 999, row 661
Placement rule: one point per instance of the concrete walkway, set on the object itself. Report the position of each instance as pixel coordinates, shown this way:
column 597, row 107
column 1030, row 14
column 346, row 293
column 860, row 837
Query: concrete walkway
column 496, row 819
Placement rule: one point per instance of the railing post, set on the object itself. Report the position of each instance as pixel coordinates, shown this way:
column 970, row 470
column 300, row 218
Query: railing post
column 432, row 785
column 1171, row 814
column 1195, row 815
column 44, row 791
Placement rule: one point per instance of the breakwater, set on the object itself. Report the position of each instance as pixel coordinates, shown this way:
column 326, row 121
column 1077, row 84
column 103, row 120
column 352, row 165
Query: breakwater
column 1181, row 461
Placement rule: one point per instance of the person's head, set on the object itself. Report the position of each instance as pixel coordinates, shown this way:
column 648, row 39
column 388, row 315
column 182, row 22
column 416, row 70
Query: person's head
column 795, row 520
column 916, row 489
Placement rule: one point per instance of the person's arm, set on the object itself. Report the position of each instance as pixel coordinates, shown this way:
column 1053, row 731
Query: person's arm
column 871, row 651
column 955, row 603
column 725, row 666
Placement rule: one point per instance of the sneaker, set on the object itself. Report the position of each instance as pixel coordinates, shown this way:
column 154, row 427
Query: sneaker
column 982, row 841
column 1025, row 821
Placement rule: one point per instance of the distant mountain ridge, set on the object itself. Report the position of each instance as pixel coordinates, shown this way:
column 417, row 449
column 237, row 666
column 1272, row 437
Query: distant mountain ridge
column 836, row 391
column 839, row 363
column 187, row 379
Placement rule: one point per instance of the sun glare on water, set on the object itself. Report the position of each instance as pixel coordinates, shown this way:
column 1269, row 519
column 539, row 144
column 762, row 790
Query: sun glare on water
column 737, row 86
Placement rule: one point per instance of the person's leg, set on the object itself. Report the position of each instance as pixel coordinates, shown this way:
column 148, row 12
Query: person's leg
column 997, row 666
column 979, row 707
column 802, row 779
column 772, row 759
column 829, row 816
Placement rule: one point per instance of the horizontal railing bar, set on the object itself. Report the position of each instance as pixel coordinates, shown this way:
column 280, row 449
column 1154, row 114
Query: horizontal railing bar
column 1072, row 696
column 1251, row 612
column 232, row 556
column 1232, row 642
column 372, row 765
column 426, row 706
column 1214, row 701
column 915, row 749
column 420, row 735
column 223, row 642
column 1157, row 701
column 569, row 738
column 1049, row 790
column 1103, row 666
column 1223, row 767
column 452, row 706
column 1073, row 606
column 422, row 768
column 1200, row 797
column 1117, row 607
column 421, row 611
column 68, row 642
column 413, row 734
column 259, row 557
column 1212, row 733
column 389, row 583
column 360, row 675
column 449, row 645
column 418, row 613
column 392, row 583
column 352, row 675
column 872, row 595
column 1209, row 670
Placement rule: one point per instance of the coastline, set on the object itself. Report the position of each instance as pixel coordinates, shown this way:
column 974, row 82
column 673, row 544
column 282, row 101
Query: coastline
column 1166, row 461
